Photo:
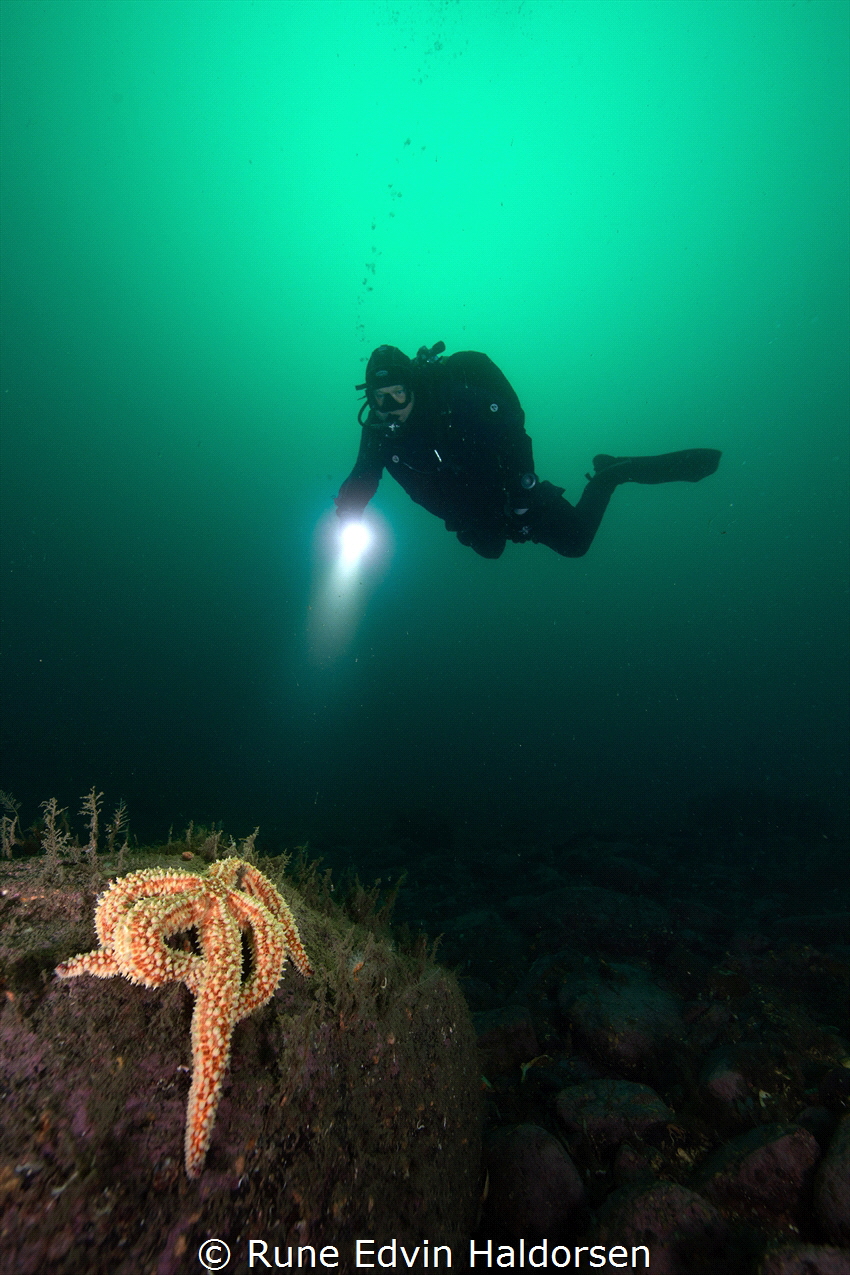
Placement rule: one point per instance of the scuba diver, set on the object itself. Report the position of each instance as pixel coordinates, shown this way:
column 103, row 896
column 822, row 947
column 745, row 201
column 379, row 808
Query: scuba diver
column 452, row 432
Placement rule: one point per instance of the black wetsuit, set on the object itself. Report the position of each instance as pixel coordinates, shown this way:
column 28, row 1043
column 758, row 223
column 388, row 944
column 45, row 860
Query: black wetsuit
column 463, row 454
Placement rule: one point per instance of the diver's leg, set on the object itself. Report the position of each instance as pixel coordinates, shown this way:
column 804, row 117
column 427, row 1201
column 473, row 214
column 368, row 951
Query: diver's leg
column 568, row 529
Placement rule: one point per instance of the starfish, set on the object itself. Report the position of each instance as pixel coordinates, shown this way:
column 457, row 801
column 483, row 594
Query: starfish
column 135, row 916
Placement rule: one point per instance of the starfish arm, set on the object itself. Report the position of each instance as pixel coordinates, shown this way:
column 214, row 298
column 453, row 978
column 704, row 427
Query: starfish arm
column 295, row 947
column 141, row 952
column 212, row 1026
column 226, row 871
column 126, row 891
column 101, row 964
column 254, row 883
column 193, row 973
column 268, row 952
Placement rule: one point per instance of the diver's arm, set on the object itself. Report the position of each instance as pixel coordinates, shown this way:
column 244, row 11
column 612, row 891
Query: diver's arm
column 362, row 483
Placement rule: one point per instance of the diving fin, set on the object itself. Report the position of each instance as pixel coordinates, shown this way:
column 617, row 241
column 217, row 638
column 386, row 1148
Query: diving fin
column 673, row 467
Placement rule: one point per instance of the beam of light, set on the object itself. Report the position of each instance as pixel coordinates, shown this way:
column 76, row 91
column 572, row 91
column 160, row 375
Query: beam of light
column 350, row 559
column 354, row 540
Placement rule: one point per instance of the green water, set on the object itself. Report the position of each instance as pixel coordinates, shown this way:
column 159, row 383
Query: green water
column 212, row 212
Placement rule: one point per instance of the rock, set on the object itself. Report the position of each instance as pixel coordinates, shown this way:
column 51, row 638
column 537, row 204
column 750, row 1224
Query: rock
column 607, row 1112
column 749, row 943
column 631, row 1167
column 506, row 1039
column 725, row 1085
column 683, row 1232
column 763, row 1175
column 828, row 927
column 468, row 938
column 479, row 994
column 805, row 1259
column 552, row 1077
column 821, row 1122
column 592, row 918
column 693, row 915
column 622, row 1018
column 480, row 919
column 350, row 1105
column 832, row 1187
column 834, row 1089
column 736, row 1081
column 617, row 870
column 534, row 1188
column 707, row 1023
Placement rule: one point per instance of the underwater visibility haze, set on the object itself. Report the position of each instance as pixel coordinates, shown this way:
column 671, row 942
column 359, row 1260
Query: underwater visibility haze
column 214, row 211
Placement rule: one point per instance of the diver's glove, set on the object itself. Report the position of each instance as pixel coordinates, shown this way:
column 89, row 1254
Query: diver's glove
column 346, row 511
column 355, row 494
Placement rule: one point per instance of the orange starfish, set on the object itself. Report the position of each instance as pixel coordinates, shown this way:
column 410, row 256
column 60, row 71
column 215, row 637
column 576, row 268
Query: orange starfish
column 137, row 914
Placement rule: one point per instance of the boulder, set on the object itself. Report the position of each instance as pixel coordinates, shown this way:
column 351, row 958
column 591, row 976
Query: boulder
column 593, row 918
column 607, row 1112
column 619, row 870
column 820, row 1122
column 805, row 1259
column 350, row 1106
column 506, row 1039
column 834, row 1090
column 832, row 1187
column 725, row 1085
column 631, row 1167
column 621, row 1017
column 534, row 1188
column 764, row 1175
column 685, row 1234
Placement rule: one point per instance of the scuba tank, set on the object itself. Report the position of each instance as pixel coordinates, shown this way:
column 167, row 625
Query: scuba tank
column 424, row 355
